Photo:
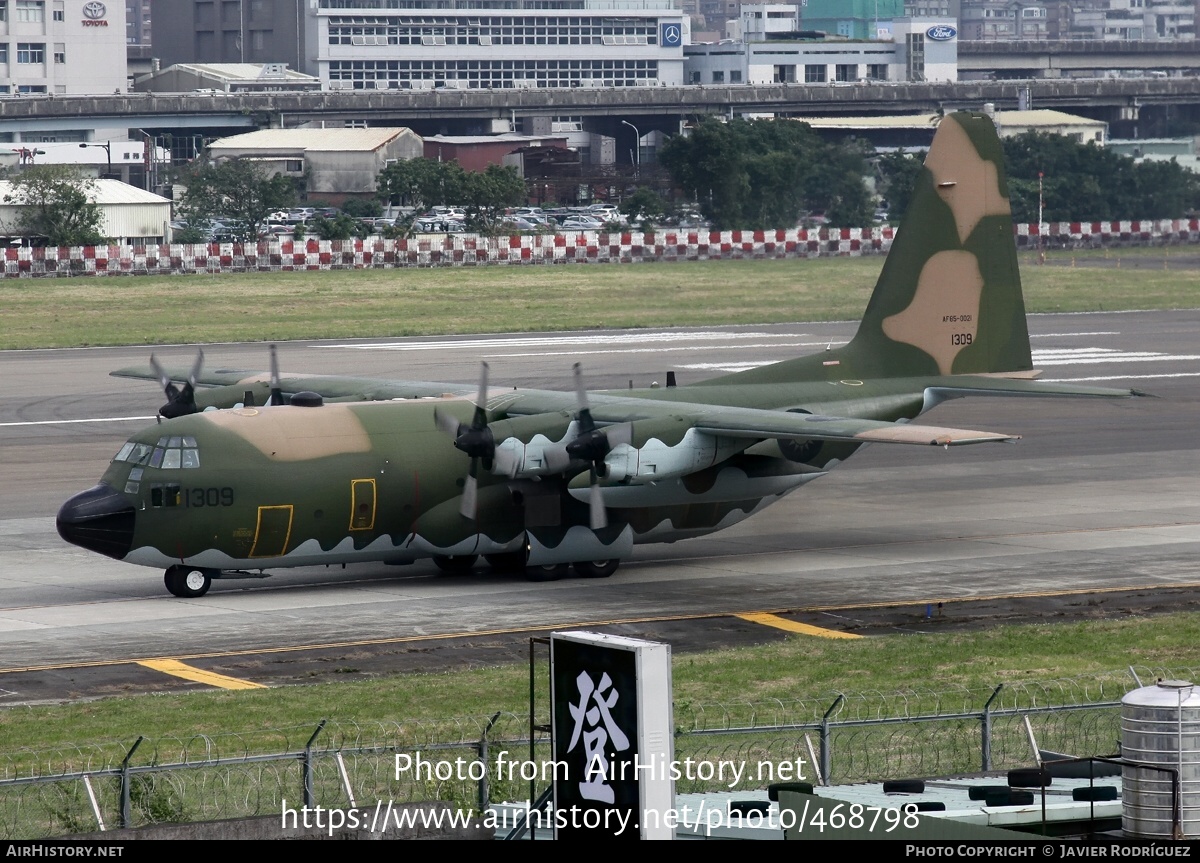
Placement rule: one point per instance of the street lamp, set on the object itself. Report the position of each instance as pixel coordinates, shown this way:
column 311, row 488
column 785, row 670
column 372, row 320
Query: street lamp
column 637, row 147
column 107, row 145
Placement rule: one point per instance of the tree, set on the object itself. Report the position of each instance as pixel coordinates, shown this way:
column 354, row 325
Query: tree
column 1087, row 183
column 362, row 208
column 898, row 174
column 647, row 205
column 487, row 193
column 236, row 191
column 57, row 203
column 421, row 183
column 765, row 173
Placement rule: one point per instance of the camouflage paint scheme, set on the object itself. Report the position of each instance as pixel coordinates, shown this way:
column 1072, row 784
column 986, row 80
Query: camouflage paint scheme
column 369, row 476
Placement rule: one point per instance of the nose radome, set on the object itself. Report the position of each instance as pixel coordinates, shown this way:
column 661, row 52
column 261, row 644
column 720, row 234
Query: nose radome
column 99, row 519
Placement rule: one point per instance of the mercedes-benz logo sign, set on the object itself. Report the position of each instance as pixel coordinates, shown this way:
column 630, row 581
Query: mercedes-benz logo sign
column 941, row 33
column 672, row 35
column 94, row 10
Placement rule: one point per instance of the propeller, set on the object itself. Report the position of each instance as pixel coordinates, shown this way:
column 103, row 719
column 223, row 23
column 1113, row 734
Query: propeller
column 276, row 389
column 181, row 401
column 475, row 440
column 590, row 445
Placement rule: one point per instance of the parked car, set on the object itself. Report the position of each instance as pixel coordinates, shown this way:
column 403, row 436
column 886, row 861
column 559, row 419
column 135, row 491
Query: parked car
column 582, row 223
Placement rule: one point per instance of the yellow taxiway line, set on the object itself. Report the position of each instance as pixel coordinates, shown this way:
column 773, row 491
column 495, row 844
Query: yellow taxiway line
column 178, row 669
column 794, row 626
column 579, row 624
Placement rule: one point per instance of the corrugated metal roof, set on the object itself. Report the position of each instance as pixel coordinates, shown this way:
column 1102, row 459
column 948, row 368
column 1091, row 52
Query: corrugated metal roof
column 106, row 192
column 242, row 72
column 310, row 139
column 921, row 121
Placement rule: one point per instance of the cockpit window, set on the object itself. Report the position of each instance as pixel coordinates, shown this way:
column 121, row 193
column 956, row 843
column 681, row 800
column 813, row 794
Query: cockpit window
column 170, row 453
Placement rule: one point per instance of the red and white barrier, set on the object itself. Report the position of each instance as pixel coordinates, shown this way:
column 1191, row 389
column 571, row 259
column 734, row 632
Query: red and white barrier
column 586, row 247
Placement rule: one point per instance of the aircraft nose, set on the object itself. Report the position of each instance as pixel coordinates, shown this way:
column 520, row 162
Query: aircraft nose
column 99, row 519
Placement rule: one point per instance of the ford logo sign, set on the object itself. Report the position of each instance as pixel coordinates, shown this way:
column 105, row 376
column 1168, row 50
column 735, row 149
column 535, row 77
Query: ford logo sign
column 94, row 10
column 941, row 33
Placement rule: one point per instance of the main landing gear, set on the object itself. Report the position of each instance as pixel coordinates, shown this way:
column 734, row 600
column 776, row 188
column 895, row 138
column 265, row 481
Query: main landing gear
column 188, row 582
column 513, row 563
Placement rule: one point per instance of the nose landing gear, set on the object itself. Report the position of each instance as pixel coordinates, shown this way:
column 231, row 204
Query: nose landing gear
column 188, row 582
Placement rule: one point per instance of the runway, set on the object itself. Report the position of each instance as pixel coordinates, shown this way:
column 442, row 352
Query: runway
column 1096, row 496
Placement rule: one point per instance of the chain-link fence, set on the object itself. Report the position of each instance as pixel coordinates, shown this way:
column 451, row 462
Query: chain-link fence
column 474, row 761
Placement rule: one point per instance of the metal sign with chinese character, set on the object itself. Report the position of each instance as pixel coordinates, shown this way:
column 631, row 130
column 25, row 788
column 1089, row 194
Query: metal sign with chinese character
column 611, row 703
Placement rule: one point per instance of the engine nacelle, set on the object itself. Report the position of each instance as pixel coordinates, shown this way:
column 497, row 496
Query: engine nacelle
column 655, row 460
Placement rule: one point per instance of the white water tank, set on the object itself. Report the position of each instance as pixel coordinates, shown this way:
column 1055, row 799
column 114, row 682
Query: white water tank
column 1160, row 725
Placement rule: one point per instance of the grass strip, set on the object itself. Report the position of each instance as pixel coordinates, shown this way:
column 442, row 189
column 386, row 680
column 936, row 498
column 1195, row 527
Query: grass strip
column 54, row 313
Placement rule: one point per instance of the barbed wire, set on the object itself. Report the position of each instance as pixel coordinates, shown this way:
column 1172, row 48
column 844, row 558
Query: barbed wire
column 867, row 735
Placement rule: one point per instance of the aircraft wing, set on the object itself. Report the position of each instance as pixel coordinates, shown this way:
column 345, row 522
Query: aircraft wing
column 755, row 423
column 814, row 427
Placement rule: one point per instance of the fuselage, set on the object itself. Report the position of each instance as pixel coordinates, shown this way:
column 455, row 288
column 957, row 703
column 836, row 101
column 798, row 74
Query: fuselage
column 268, row 487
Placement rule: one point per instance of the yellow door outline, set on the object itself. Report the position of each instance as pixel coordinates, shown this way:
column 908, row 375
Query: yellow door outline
column 362, row 494
column 270, row 536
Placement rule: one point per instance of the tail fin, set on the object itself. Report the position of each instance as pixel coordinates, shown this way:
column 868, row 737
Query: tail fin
column 948, row 300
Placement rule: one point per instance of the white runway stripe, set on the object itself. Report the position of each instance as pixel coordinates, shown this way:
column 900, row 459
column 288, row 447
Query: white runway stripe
column 69, row 422
column 550, row 341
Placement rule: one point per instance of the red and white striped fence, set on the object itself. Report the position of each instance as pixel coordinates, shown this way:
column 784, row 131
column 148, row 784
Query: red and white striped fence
column 459, row 250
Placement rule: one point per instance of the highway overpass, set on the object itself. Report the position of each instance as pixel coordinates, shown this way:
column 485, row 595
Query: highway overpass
column 453, row 111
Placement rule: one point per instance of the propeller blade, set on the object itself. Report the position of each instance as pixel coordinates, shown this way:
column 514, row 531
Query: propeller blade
column 164, row 380
column 194, row 374
column 470, row 493
column 446, row 423
column 276, row 388
column 557, row 457
column 480, row 418
column 181, row 401
column 599, row 515
column 586, row 423
column 619, row 434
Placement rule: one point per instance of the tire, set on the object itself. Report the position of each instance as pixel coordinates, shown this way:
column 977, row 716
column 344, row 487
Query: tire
column 508, row 563
column 1028, row 777
column 597, row 568
column 549, row 572
column 458, row 564
column 1094, row 793
column 904, row 786
column 187, row 582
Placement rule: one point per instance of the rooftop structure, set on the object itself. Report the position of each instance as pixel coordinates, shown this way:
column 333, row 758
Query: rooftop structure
column 227, row 78
column 334, row 164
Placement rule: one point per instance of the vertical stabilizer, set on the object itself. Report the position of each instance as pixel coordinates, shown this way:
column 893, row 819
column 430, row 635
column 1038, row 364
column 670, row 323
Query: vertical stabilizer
column 948, row 300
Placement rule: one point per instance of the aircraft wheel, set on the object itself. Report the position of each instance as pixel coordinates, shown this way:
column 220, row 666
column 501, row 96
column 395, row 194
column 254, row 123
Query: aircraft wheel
column 596, row 568
column 187, row 582
column 457, row 564
column 508, row 562
column 549, row 572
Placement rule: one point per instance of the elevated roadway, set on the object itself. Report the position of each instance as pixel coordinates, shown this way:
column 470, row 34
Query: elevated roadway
column 658, row 107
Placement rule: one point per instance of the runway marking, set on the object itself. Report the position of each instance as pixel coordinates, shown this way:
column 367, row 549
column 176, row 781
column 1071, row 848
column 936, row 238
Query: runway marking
column 820, row 344
column 1047, row 357
column 69, row 422
column 794, row 626
column 537, row 341
column 479, row 633
column 175, row 668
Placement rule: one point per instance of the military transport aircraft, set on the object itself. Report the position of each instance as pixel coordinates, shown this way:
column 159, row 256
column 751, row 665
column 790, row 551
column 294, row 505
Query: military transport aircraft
column 296, row 471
